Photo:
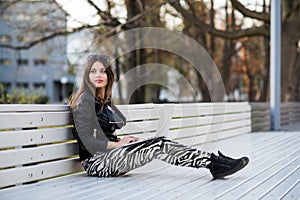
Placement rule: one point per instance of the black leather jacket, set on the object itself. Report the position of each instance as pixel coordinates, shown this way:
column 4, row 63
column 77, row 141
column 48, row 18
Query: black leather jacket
column 87, row 130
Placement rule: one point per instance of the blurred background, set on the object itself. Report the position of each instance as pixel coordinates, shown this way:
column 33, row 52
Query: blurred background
column 43, row 43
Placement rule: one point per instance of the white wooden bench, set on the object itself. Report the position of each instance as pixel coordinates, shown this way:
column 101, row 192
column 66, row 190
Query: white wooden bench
column 36, row 142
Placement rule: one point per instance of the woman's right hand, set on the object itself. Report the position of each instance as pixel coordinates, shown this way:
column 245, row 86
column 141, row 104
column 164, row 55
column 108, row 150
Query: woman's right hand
column 123, row 141
column 128, row 139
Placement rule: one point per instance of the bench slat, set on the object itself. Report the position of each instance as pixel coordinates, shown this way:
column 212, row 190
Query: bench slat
column 212, row 104
column 139, row 127
column 35, row 136
column 36, row 172
column 137, row 106
column 33, row 108
column 185, row 112
column 196, row 140
column 37, row 154
column 208, row 120
column 204, row 130
column 35, row 119
column 141, row 114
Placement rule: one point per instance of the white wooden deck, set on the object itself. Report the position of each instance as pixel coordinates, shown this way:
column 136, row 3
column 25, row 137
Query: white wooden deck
column 273, row 173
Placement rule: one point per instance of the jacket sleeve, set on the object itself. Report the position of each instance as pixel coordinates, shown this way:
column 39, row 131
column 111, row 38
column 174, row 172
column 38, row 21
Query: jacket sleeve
column 88, row 128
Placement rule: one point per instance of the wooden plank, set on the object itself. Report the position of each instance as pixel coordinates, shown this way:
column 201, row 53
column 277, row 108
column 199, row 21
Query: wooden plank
column 139, row 127
column 141, row 114
column 33, row 108
column 36, row 119
column 167, row 183
column 206, row 129
column 211, row 104
column 260, row 106
column 262, row 177
column 203, row 120
column 261, row 127
column 200, row 139
column 272, row 182
column 264, row 114
column 36, row 172
column 26, row 191
column 137, row 106
column 35, row 136
column 37, row 154
column 293, row 193
column 275, row 151
column 260, row 121
column 198, row 111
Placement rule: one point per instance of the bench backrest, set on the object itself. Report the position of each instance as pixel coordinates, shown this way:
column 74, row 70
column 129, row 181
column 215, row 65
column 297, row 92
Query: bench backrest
column 36, row 141
column 194, row 124
column 191, row 123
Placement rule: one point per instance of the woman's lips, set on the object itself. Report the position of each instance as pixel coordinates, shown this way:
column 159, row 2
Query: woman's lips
column 99, row 81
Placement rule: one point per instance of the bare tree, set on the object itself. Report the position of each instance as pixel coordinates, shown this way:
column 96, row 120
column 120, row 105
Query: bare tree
column 290, row 36
column 140, row 12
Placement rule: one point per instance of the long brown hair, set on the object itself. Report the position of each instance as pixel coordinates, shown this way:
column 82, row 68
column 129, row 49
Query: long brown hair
column 88, row 87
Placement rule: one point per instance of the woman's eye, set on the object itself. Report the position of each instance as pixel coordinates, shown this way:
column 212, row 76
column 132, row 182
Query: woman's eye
column 93, row 71
column 102, row 71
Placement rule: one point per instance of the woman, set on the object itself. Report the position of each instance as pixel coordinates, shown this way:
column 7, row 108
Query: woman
column 103, row 154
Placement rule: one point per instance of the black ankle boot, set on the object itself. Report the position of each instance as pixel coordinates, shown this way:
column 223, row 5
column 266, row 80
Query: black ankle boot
column 221, row 166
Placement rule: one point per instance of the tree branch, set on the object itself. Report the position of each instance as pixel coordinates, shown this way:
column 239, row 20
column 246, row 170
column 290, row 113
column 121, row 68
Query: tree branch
column 60, row 7
column 104, row 15
column 116, row 29
column 254, row 31
column 45, row 38
column 252, row 14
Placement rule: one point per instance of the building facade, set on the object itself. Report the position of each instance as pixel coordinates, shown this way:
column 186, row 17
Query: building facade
column 42, row 66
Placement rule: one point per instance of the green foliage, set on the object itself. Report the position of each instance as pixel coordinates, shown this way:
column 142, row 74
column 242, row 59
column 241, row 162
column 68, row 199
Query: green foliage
column 22, row 96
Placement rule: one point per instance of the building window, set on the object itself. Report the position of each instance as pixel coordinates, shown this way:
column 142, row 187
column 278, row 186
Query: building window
column 39, row 85
column 5, row 38
column 22, row 61
column 40, row 61
column 5, row 85
column 5, row 61
column 22, row 85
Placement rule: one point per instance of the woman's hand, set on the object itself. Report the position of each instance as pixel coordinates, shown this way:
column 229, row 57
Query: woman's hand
column 123, row 141
column 128, row 139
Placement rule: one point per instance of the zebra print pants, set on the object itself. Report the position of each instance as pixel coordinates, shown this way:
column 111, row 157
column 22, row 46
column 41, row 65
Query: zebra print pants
column 124, row 159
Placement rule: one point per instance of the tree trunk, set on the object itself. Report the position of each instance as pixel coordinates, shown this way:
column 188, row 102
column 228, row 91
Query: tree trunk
column 137, row 56
column 289, row 42
column 264, row 95
column 203, row 88
column 228, row 51
column 212, row 25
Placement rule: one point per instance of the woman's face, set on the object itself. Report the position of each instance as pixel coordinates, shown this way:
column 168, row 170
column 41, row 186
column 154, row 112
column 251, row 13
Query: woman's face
column 97, row 75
